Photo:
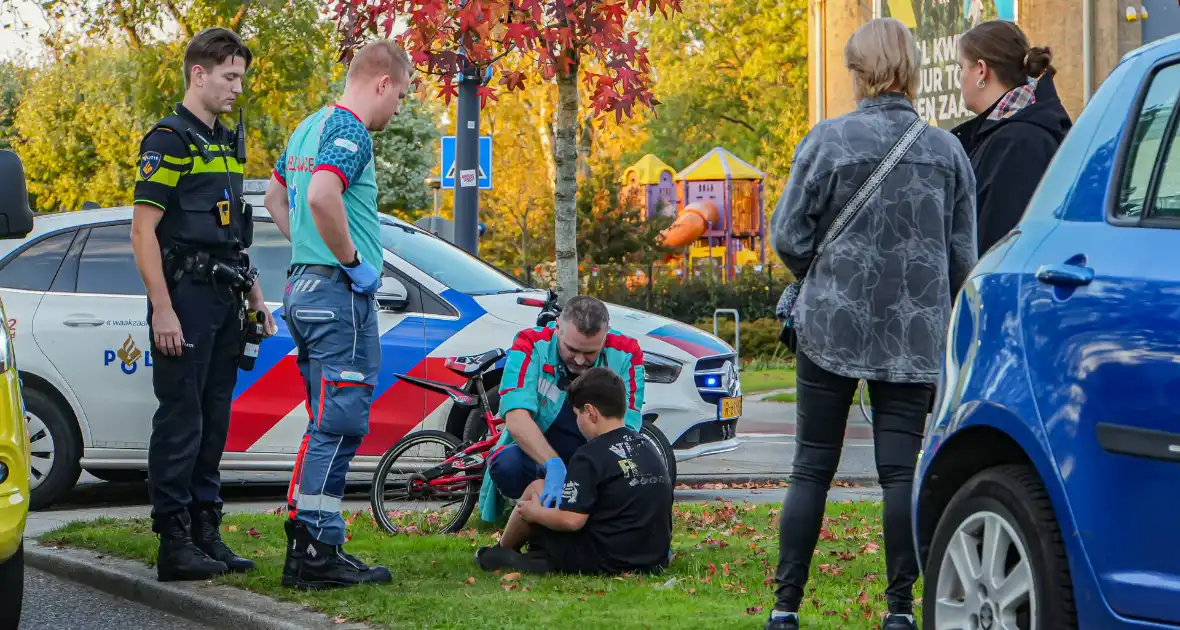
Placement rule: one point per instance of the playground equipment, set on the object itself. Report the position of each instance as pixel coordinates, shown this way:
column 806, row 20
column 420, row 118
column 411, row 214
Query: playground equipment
column 734, row 189
column 649, row 183
column 693, row 221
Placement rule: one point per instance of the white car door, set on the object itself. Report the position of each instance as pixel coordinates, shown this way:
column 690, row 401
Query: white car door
column 94, row 331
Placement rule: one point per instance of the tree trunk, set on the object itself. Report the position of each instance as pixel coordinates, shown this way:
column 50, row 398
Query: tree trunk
column 565, row 210
column 585, row 145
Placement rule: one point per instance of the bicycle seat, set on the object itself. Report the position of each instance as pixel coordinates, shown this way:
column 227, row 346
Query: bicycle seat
column 476, row 363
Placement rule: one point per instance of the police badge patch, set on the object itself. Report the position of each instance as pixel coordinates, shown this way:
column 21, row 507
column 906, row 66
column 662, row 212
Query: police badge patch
column 149, row 162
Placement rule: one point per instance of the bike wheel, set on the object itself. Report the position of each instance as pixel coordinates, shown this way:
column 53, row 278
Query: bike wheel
column 654, row 435
column 402, row 501
column 862, row 395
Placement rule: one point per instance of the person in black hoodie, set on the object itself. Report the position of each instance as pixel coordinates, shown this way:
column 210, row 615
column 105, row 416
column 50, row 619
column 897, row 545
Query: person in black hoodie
column 1018, row 126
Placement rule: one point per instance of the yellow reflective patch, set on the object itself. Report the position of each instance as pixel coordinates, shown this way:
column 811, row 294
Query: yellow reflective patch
column 164, row 176
column 216, row 165
column 178, row 161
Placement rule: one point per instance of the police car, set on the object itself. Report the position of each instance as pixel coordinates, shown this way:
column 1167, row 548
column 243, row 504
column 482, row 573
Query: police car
column 77, row 309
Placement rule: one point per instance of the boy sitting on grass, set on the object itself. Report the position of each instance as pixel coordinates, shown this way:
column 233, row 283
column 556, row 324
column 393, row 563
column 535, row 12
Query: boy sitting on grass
column 615, row 512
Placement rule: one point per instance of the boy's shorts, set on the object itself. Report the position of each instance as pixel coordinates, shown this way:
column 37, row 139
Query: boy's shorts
column 563, row 552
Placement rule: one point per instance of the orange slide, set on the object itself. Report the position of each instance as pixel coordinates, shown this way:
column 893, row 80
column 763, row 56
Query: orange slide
column 692, row 221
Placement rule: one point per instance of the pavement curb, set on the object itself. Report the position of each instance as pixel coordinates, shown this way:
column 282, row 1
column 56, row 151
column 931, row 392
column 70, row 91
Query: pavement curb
column 864, row 480
column 203, row 602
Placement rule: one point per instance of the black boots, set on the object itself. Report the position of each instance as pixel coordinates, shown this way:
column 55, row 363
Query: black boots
column 313, row 565
column 178, row 558
column 207, row 538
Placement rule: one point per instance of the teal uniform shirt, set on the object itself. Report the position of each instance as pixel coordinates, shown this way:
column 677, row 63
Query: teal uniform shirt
column 530, row 382
column 332, row 139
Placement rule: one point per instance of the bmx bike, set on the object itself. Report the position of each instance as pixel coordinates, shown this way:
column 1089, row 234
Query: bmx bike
column 437, row 490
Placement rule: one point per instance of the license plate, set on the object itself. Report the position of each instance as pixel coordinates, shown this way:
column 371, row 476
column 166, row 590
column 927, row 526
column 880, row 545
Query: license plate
column 730, row 408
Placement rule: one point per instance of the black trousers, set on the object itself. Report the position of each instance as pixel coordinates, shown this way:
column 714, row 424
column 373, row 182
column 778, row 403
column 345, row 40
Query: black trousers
column 899, row 416
column 195, row 392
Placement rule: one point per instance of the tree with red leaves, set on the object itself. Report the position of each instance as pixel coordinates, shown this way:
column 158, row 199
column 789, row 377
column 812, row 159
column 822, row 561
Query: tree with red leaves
column 549, row 39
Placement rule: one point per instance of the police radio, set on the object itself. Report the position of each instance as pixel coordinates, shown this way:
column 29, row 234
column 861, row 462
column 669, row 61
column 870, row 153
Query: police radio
column 240, row 148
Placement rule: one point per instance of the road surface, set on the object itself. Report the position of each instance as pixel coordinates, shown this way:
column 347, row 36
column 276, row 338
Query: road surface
column 52, row 604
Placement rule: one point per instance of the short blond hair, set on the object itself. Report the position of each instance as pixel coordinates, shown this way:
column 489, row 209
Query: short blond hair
column 379, row 58
column 883, row 57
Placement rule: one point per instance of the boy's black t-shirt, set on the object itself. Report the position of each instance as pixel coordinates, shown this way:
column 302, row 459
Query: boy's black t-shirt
column 620, row 481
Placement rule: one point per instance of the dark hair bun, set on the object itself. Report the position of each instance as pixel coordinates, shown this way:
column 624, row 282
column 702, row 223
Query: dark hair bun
column 1039, row 61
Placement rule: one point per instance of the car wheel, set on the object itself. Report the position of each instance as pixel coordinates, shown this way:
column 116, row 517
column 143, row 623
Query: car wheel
column 12, row 585
column 56, row 450
column 997, row 559
column 118, row 475
column 656, row 437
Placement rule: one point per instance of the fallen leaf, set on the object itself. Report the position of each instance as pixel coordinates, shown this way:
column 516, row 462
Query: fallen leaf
column 768, row 581
column 470, row 580
column 339, row 619
column 508, row 587
column 725, row 570
column 511, row 577
column 253, row 532
column 231, row 528
column 870, row 548
column 692, row 591
column 864, row 597
column 754, row 610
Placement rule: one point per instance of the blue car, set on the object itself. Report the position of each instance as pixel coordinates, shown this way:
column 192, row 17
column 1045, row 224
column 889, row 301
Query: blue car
column 1047, row 494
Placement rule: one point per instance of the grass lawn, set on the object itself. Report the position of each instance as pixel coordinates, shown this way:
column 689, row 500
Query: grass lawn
column 758, row 381
column 720, row 578
column 782, row 398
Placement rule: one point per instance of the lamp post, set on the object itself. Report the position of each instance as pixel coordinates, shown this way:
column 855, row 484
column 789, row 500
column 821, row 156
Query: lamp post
column 436, row 184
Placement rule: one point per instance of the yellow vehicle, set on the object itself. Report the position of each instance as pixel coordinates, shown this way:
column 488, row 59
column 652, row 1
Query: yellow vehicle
column 16, row 221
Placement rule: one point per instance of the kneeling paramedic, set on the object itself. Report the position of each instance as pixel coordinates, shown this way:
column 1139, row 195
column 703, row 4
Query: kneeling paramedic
column 325, row 183
column 190, row 231
column 541, row 431
column 616, row 514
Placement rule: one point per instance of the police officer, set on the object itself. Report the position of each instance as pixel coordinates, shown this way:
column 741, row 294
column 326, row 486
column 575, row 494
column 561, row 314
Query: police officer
column 190, row 232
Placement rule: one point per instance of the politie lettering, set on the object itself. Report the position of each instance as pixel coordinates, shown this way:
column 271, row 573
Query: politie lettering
column 109, row 357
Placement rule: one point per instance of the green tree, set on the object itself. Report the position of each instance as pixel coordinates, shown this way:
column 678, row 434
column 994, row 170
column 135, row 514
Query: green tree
column 731, row 73
column 405, row 154
column 612, row 231
column 13, row 80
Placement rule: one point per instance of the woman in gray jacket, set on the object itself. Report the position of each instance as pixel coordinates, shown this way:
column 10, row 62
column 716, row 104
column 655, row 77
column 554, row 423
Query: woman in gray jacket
column 875, row 305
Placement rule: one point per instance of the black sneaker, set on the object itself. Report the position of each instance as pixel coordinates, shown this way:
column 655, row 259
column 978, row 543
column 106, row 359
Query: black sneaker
column 207, row 538
column 327, row 566
column 178, row 558
column 497, row 558
column 899, row 622
column 790, row 622
column 294, row 553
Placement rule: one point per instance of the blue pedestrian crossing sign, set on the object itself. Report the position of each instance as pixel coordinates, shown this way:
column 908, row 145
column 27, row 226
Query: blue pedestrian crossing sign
column 450, row 174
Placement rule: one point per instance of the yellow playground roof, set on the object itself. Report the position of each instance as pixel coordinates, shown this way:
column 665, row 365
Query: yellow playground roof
column 648, row 170
column 719, row 164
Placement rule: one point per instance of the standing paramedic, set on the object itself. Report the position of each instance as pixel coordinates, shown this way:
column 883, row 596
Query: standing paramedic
column 190, row 232
column 323, row 196
column 540, row 428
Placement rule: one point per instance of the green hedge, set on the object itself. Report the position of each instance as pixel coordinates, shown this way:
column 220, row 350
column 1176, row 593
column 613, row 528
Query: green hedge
column 690, row 300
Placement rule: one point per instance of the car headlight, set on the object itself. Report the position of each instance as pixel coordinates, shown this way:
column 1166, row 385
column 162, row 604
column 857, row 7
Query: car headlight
column 660, row 369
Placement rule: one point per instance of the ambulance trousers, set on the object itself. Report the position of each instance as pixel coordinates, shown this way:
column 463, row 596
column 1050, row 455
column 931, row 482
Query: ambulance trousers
column 339, row 352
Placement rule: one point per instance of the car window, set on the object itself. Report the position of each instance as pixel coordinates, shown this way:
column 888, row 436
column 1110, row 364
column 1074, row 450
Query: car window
column 108, row 263
column 445, row 262
column 1148, row 139
column 35, row 268
column 270, row 253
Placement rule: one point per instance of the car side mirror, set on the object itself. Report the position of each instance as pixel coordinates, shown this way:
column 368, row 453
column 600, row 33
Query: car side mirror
column 392, row 296
column 16, row 218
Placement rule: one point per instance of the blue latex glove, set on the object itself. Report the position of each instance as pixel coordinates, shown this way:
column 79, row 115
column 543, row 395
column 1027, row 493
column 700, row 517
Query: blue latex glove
column 554, row 482
column 365, row 278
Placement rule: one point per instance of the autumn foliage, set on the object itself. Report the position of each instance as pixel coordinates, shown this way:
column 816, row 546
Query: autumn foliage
column 550, row 36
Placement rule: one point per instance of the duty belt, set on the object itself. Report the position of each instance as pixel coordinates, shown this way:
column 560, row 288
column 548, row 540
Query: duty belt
column 206, row 268
column 328, row 271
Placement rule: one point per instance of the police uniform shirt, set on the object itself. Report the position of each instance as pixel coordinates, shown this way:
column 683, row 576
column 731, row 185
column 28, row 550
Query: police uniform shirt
column 166, row 156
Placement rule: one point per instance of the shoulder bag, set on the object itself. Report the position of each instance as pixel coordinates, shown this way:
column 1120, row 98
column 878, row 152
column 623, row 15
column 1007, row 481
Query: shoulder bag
column 785, row 310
